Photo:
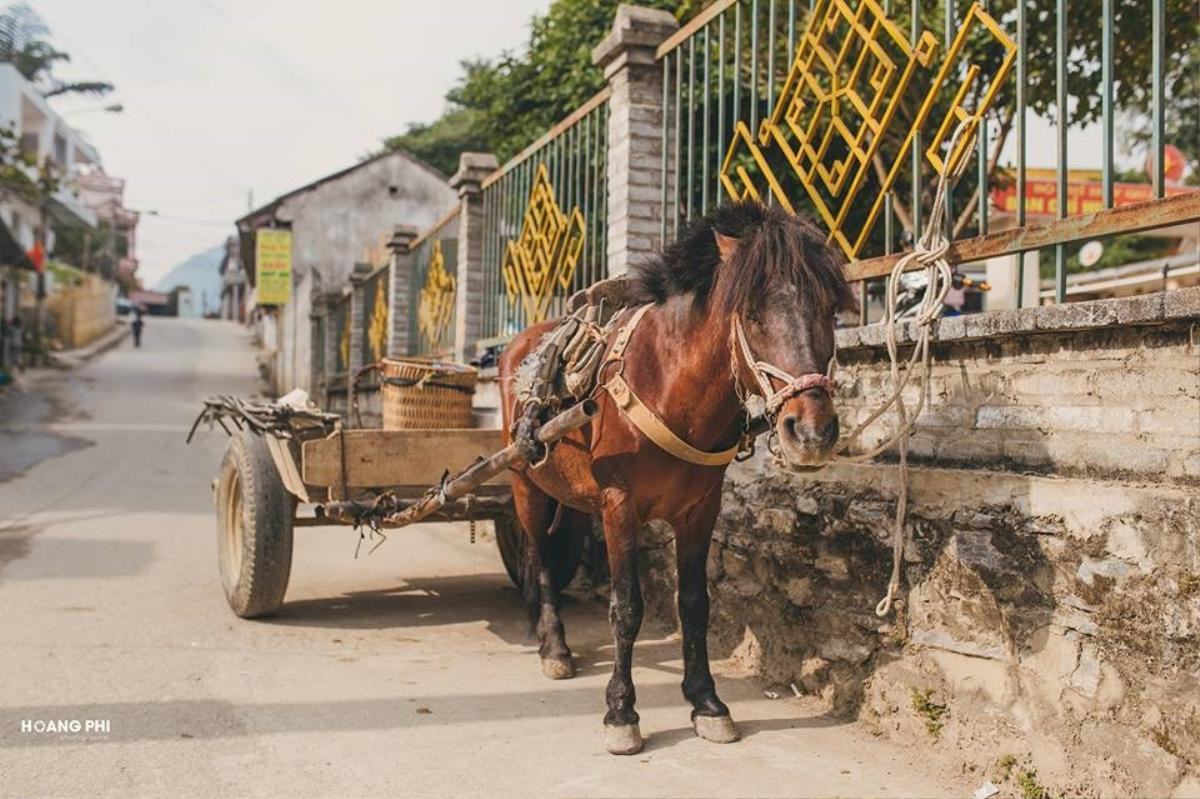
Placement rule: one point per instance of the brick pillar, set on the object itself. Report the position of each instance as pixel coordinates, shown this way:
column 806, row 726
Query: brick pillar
column 468, row 298
column 358, row 317
column 322, row 312
column 634, row 132
column 400, row 287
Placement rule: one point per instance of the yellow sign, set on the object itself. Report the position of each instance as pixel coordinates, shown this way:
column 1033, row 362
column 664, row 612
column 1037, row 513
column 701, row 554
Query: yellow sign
column 273, row 264
column 850, row 73
column 546, row 253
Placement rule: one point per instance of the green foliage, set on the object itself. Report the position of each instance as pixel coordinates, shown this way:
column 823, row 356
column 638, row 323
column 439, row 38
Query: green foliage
column 23, row 43
column 502, row 104
column 1030, row 787
column 932, row 712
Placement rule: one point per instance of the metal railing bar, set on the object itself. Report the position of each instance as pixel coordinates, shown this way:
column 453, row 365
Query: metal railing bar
column 1060, row 72
column 1180, row 209
column 595, row 100
column 696, row 23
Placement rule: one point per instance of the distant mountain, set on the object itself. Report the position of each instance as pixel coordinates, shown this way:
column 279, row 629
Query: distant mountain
column 200, row 274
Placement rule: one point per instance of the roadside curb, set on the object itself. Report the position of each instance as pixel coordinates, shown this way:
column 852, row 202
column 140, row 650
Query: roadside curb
column 69, row 359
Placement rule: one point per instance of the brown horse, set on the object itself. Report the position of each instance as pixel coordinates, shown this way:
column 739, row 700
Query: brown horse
column 743, row 300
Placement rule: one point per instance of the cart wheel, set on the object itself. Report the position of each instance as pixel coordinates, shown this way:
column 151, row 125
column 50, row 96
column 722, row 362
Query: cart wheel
column 254, row 528
column 567, row 543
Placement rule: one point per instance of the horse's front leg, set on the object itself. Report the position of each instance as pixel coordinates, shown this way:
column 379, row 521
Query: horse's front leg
column 622, row 736
column 710, row 716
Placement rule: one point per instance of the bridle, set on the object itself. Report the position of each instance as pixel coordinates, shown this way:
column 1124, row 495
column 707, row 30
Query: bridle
column 763, row 372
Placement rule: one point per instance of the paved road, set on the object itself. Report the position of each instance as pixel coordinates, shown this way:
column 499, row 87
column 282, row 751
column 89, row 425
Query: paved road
column 405, row 673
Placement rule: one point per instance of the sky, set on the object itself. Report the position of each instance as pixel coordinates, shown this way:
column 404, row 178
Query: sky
column 227, row 101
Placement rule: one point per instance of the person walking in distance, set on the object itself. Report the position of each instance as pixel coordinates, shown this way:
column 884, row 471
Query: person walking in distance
column 137, row 326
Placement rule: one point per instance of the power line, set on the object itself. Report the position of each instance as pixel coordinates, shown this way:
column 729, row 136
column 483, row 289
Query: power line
column 164, row 129
column 303, row 77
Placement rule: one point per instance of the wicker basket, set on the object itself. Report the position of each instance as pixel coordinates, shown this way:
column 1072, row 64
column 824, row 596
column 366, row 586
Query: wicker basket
column 421, row 394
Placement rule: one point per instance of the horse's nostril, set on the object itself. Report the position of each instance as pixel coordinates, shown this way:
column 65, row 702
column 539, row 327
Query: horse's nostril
column 830, row 432
column 789, row 427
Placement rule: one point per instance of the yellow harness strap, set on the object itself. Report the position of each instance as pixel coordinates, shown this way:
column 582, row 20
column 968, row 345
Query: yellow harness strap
column 645, row 419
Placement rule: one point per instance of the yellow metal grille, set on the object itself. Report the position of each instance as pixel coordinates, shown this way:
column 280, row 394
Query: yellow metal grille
column 545, row 254
column 436, row 307
column 846, row 82
column 378, row 329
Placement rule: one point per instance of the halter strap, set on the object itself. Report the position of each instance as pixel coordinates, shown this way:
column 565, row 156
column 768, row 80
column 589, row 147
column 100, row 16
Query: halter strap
column 644, row 419
column 763, row 372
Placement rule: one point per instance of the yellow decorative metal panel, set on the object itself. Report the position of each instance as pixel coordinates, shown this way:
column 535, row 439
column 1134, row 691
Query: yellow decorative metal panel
column 849, row 75
column 545, row 254
column 377, row 330
column 436, row 306
column 344, row 341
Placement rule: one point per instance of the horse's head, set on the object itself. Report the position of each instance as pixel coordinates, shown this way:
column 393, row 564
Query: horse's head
column 780, row 285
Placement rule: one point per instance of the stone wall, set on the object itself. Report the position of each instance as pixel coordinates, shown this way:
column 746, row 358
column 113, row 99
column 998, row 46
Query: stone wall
column 82, row 312
column 1050, row 621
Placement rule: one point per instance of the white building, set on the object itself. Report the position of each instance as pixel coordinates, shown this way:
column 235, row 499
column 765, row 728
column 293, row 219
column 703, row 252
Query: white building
column 43, row 134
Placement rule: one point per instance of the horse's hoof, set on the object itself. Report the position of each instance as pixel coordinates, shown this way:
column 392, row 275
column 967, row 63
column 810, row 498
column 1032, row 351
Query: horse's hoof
column 718, row 729
column 624, row 739
column 558, row 668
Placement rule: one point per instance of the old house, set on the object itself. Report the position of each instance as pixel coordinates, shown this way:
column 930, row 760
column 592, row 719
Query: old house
column 336, row 221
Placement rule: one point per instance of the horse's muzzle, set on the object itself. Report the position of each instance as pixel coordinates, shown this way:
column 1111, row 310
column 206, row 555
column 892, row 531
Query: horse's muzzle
column 807, row 429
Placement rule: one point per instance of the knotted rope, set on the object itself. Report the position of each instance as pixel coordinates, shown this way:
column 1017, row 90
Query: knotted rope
column 929, row 251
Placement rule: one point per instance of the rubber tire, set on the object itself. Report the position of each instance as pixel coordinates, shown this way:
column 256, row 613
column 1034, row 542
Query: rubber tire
column 255, row 574
column 567, row 544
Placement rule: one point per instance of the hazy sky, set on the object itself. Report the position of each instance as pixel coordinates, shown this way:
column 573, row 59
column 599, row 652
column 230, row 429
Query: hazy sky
column 223, row 98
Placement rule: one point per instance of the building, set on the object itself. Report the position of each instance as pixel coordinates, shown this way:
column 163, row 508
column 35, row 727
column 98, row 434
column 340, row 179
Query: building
column 336, row 221
column 43, row 136
column 116, row 255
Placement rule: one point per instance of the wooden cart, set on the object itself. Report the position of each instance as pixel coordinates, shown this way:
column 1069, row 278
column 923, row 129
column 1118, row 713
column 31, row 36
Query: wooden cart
column 285, row 469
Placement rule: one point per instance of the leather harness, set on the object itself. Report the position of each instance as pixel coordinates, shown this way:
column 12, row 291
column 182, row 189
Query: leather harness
column 657, row 431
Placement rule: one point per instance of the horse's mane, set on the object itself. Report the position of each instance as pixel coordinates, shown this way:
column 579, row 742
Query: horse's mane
column 774, row 246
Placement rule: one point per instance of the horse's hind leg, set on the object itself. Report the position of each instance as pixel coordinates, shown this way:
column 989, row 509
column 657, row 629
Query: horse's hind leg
column 710, row 716
column 622, row 736
column 535, row 511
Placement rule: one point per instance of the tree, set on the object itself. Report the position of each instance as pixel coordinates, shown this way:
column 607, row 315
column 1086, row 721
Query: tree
column 23, row 43
column 502, row 104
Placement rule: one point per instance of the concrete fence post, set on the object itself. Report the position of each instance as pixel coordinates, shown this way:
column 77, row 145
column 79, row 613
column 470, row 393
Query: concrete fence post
column 399, row 286
column 635, row 112
column 358, row 317
column 468, row 298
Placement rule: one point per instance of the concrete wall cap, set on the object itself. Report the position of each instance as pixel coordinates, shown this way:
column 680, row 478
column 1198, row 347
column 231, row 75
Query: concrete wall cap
column 634, row 27
column 473, row 168
column 1147, row 309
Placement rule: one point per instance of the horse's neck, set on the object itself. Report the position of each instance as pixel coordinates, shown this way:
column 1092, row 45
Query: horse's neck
column 698, row 400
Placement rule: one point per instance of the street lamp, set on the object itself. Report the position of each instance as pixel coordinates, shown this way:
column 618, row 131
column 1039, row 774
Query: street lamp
column 111, row 108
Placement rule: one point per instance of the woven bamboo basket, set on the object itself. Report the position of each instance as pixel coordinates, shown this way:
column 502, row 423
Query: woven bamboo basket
column 420, row 394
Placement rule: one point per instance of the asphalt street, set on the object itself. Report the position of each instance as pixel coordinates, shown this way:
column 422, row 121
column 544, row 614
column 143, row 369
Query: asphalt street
column 405, row 673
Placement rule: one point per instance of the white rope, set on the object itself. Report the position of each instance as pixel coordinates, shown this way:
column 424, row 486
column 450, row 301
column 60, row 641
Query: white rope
column 930, row 251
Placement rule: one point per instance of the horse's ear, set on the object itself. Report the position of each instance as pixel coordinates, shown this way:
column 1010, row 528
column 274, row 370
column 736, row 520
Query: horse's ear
column 725, row 245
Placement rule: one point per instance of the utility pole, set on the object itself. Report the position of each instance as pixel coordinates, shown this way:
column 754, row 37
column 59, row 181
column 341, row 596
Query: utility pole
column 39, row 312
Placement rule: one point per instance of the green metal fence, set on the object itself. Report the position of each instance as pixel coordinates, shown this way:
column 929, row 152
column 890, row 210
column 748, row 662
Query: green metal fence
column 848, row 119
column 545, row 222
column 434, row 289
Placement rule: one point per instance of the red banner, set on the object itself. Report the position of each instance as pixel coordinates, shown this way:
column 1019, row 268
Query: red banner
column 1041, row 196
